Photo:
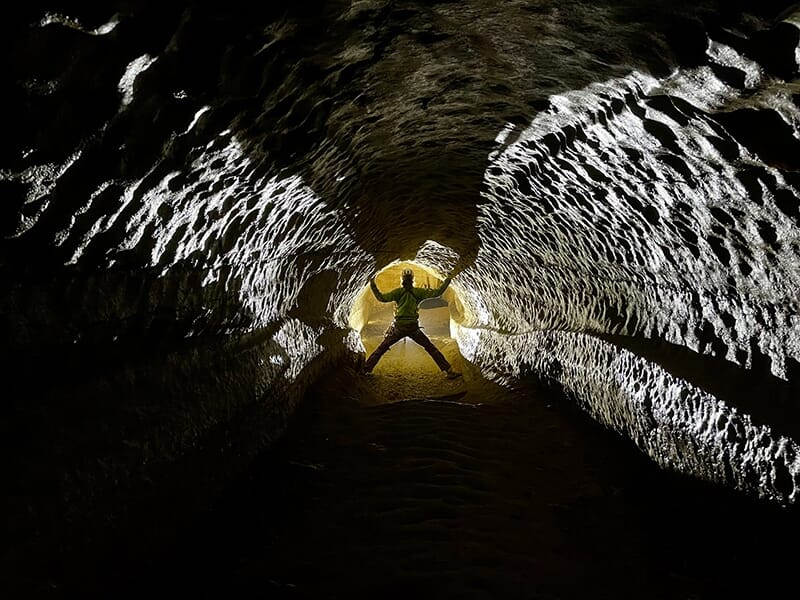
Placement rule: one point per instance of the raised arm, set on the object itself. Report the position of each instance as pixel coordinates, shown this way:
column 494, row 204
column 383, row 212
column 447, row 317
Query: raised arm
column 440, row 290
column 377, row 292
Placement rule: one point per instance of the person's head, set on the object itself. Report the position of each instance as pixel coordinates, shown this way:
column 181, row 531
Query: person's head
column 407, row 278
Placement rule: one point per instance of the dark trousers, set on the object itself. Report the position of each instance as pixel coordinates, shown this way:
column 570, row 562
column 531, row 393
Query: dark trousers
column 397, row 332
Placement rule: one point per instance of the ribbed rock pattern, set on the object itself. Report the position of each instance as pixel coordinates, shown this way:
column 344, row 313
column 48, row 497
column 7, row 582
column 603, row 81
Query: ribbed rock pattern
column 178, row 178
column 680, row 425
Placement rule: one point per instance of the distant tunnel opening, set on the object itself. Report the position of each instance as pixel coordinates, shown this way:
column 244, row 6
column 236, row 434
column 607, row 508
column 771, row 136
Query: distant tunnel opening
column 371, row 318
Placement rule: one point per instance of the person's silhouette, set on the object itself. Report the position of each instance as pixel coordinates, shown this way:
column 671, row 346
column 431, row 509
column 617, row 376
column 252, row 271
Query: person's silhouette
column 406, row 321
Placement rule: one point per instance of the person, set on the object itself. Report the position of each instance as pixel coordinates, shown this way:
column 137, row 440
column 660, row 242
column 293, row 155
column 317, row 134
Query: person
column 406, row 321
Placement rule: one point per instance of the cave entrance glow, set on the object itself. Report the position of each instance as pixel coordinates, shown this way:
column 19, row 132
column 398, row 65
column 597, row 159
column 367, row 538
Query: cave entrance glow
column 371, row 318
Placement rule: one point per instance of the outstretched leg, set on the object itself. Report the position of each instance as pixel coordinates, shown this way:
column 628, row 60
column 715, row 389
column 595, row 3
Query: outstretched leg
column 390, row 338
column 424, row 341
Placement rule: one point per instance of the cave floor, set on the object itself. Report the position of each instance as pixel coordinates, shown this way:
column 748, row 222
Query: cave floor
column 405, row 484
column 407, row 372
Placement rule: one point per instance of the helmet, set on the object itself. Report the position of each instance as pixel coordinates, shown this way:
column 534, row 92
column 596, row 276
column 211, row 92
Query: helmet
column 408, row 275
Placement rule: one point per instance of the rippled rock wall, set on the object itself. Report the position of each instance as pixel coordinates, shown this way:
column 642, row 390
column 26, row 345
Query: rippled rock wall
column 194, row 198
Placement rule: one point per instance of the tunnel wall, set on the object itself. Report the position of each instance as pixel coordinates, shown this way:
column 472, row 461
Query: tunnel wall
column 122, row 451
column 681, row 426
column 717, row 272
column 194, row 197
column 716, row 278
column 159, row 370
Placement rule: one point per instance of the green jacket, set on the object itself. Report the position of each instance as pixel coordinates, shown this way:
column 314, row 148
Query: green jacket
column 406, row 300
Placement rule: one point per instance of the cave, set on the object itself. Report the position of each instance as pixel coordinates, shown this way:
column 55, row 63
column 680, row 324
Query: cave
column 196, row 196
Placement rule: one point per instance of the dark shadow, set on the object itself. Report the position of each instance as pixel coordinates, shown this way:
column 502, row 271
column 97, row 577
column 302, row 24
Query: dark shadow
column 768, row 400
column 424, row 497
column 127, row 407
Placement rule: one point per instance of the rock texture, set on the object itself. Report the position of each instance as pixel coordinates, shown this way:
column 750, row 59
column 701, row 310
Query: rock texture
column 194, row 197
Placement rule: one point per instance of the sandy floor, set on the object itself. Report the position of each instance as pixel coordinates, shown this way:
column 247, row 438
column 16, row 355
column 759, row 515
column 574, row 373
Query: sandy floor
column 403, row 484
column 407, row 371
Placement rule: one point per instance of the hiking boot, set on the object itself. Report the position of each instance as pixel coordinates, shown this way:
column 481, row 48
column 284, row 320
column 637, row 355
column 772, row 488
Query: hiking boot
column 451, row 374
